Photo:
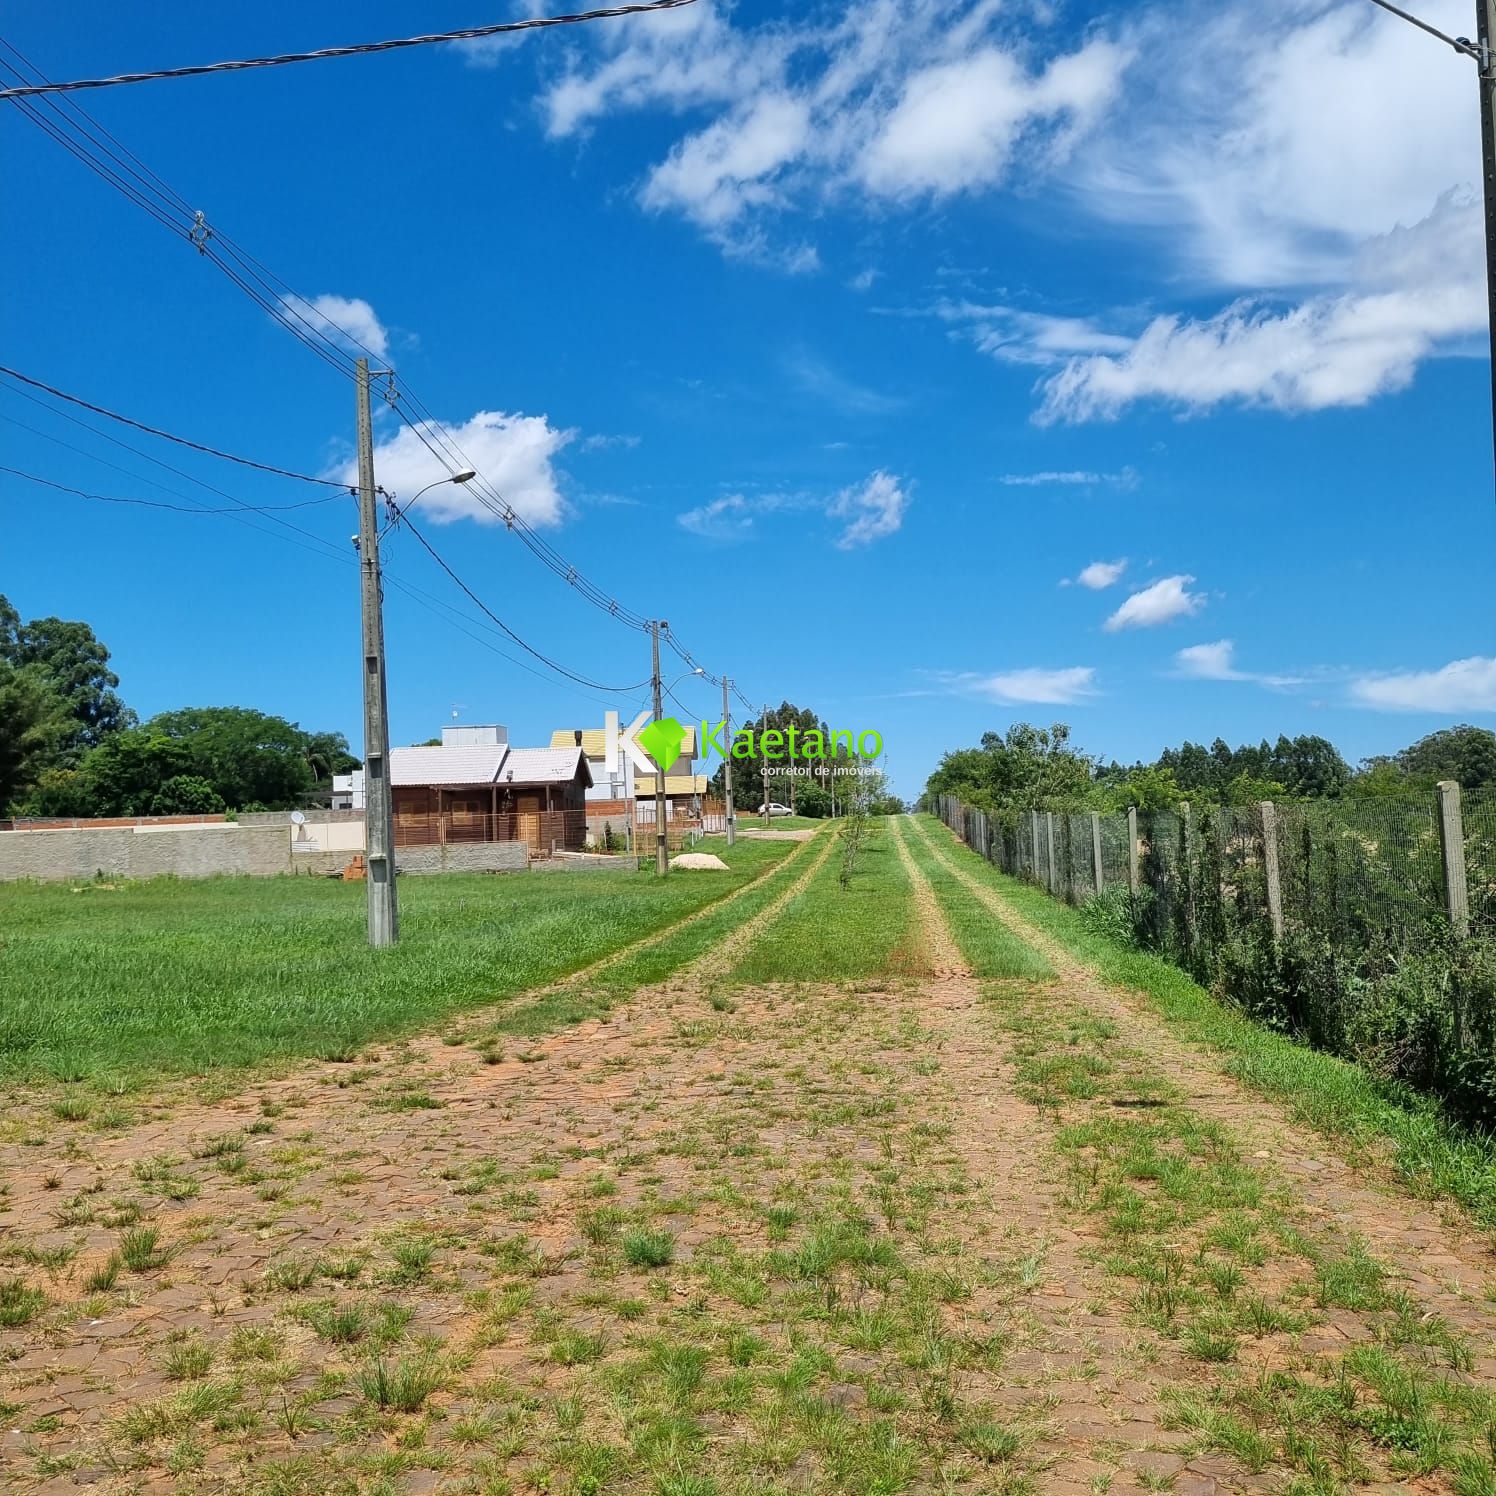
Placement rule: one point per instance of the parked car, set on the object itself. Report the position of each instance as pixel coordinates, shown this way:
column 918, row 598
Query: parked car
column 774, row 808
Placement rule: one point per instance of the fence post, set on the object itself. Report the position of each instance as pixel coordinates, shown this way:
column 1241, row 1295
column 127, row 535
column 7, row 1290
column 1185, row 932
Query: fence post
column 1270, row 866
column 1054, row 866
column 1132, row 850
column 1096, row 847
column 1034, row 845
column 1452, row 841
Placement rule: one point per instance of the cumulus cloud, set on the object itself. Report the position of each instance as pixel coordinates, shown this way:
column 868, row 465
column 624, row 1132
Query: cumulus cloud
column 347, row 320
column 1460, row 686
column 1101, row 574
column 872, row 509
column 1162, row 602
column 895, row 100
column 1068, row 686
column 514, row 453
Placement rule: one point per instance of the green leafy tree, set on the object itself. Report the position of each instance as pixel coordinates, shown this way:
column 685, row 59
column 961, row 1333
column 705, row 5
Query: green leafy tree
column 247, row 756
column 74, row 663
column 186, row 795
column 1020, row 769
column 32, row 720
column 1465, row 754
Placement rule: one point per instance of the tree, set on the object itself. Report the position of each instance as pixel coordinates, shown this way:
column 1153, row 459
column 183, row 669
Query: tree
column 327, row 753
column 247, row 756
column 1465, row 754
column 186, row 795
column 32, row 720
column 1022, row 769
column 73, row 661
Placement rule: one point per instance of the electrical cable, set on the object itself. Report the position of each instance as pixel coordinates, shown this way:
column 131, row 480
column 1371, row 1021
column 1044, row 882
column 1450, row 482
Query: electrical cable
column 106, row 498
column 361, row 49
column 181, row 441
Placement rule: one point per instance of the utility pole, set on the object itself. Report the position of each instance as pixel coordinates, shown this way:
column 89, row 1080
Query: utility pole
column 379, row 823
column 662, row 850
column 1485, row 26
column 762, row 727
column 1480, row 50
column 727, row 762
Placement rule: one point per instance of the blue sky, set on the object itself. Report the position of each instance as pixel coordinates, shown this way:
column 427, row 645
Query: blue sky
column 866, row 345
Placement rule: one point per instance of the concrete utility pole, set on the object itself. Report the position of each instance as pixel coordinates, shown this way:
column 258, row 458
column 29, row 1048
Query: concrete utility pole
column 379, row 818
column 727, row 762
column 1480, row 50
column 662, row 850
column 762, row 726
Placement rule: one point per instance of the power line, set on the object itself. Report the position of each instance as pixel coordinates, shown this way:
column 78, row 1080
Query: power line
column 181, row 441
column 283, row 304
column 472, row 33
column 488, row 613
column 106, row 498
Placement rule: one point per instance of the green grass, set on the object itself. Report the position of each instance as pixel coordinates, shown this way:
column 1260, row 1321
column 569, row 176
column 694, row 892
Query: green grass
column 107, row 984
column 830, row 934
column 990, row 948
column 1336, row 1097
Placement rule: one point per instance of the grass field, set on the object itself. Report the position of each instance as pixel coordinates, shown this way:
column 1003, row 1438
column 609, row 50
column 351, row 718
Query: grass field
column 104, row 982
column 832, row 934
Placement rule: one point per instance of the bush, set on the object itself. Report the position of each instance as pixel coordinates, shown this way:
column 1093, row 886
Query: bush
column 1116, row 914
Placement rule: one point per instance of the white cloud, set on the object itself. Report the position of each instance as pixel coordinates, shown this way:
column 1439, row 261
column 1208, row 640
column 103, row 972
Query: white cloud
column 1101, row 574
column 1217, row 661
column 1073, row 478
column 1209, row 661
column 865, row 511
column 726, row 519
column 348, row 320
column 872, row 510
column 863, row 280
column 598, row 442
column 1063, row 687
column 1162, row 602
column 893, row 100
column 1461, row 686
column 1417, row 291
column 514, row 453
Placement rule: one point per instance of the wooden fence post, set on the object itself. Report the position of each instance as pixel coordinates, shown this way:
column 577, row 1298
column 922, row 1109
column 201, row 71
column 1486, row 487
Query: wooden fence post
column 1052, row 866
column 1270, row 866
column 1452, row 841
column 1034, row 845
column 1096, row 848
column 1132, row 850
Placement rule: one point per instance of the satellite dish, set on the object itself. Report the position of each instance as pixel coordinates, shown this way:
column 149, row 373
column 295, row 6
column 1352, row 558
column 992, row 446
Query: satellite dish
column 298, row 818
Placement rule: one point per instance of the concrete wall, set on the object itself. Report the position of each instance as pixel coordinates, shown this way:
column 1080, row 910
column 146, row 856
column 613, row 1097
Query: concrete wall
column 123, row 852
column 464, row 857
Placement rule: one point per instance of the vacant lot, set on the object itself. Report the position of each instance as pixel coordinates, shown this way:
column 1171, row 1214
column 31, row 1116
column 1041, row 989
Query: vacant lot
column 966, row 1219
column 104, row 981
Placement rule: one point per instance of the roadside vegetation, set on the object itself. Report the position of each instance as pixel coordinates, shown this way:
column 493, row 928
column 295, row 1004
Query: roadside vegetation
column 1376, row 1119
column 105, row 981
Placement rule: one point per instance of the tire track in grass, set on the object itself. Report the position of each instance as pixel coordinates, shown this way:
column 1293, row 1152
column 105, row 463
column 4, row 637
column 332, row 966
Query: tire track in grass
column 1435, row 1257
column 659, row 937
column 721, row 959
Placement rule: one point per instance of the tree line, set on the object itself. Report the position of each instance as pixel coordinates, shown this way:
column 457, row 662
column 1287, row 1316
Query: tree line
column 1029, row 767
column 70, row 746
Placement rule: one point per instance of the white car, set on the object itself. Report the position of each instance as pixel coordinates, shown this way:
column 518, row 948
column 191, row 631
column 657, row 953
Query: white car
column 774, row 808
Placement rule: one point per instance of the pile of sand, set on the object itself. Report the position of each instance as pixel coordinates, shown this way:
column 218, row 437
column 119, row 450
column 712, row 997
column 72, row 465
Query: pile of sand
column 699, row 860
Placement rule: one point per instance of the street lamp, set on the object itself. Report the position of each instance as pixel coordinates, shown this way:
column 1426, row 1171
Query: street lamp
column 465, row 476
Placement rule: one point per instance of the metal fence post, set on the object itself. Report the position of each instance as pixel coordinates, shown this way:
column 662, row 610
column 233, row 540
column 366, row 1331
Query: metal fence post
column 1132, row 850
column 1452, row 842
column 1096, row 849
column 1270, row 866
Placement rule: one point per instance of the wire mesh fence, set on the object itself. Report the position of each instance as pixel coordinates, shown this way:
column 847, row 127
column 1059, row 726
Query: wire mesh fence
column 1367, row 927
